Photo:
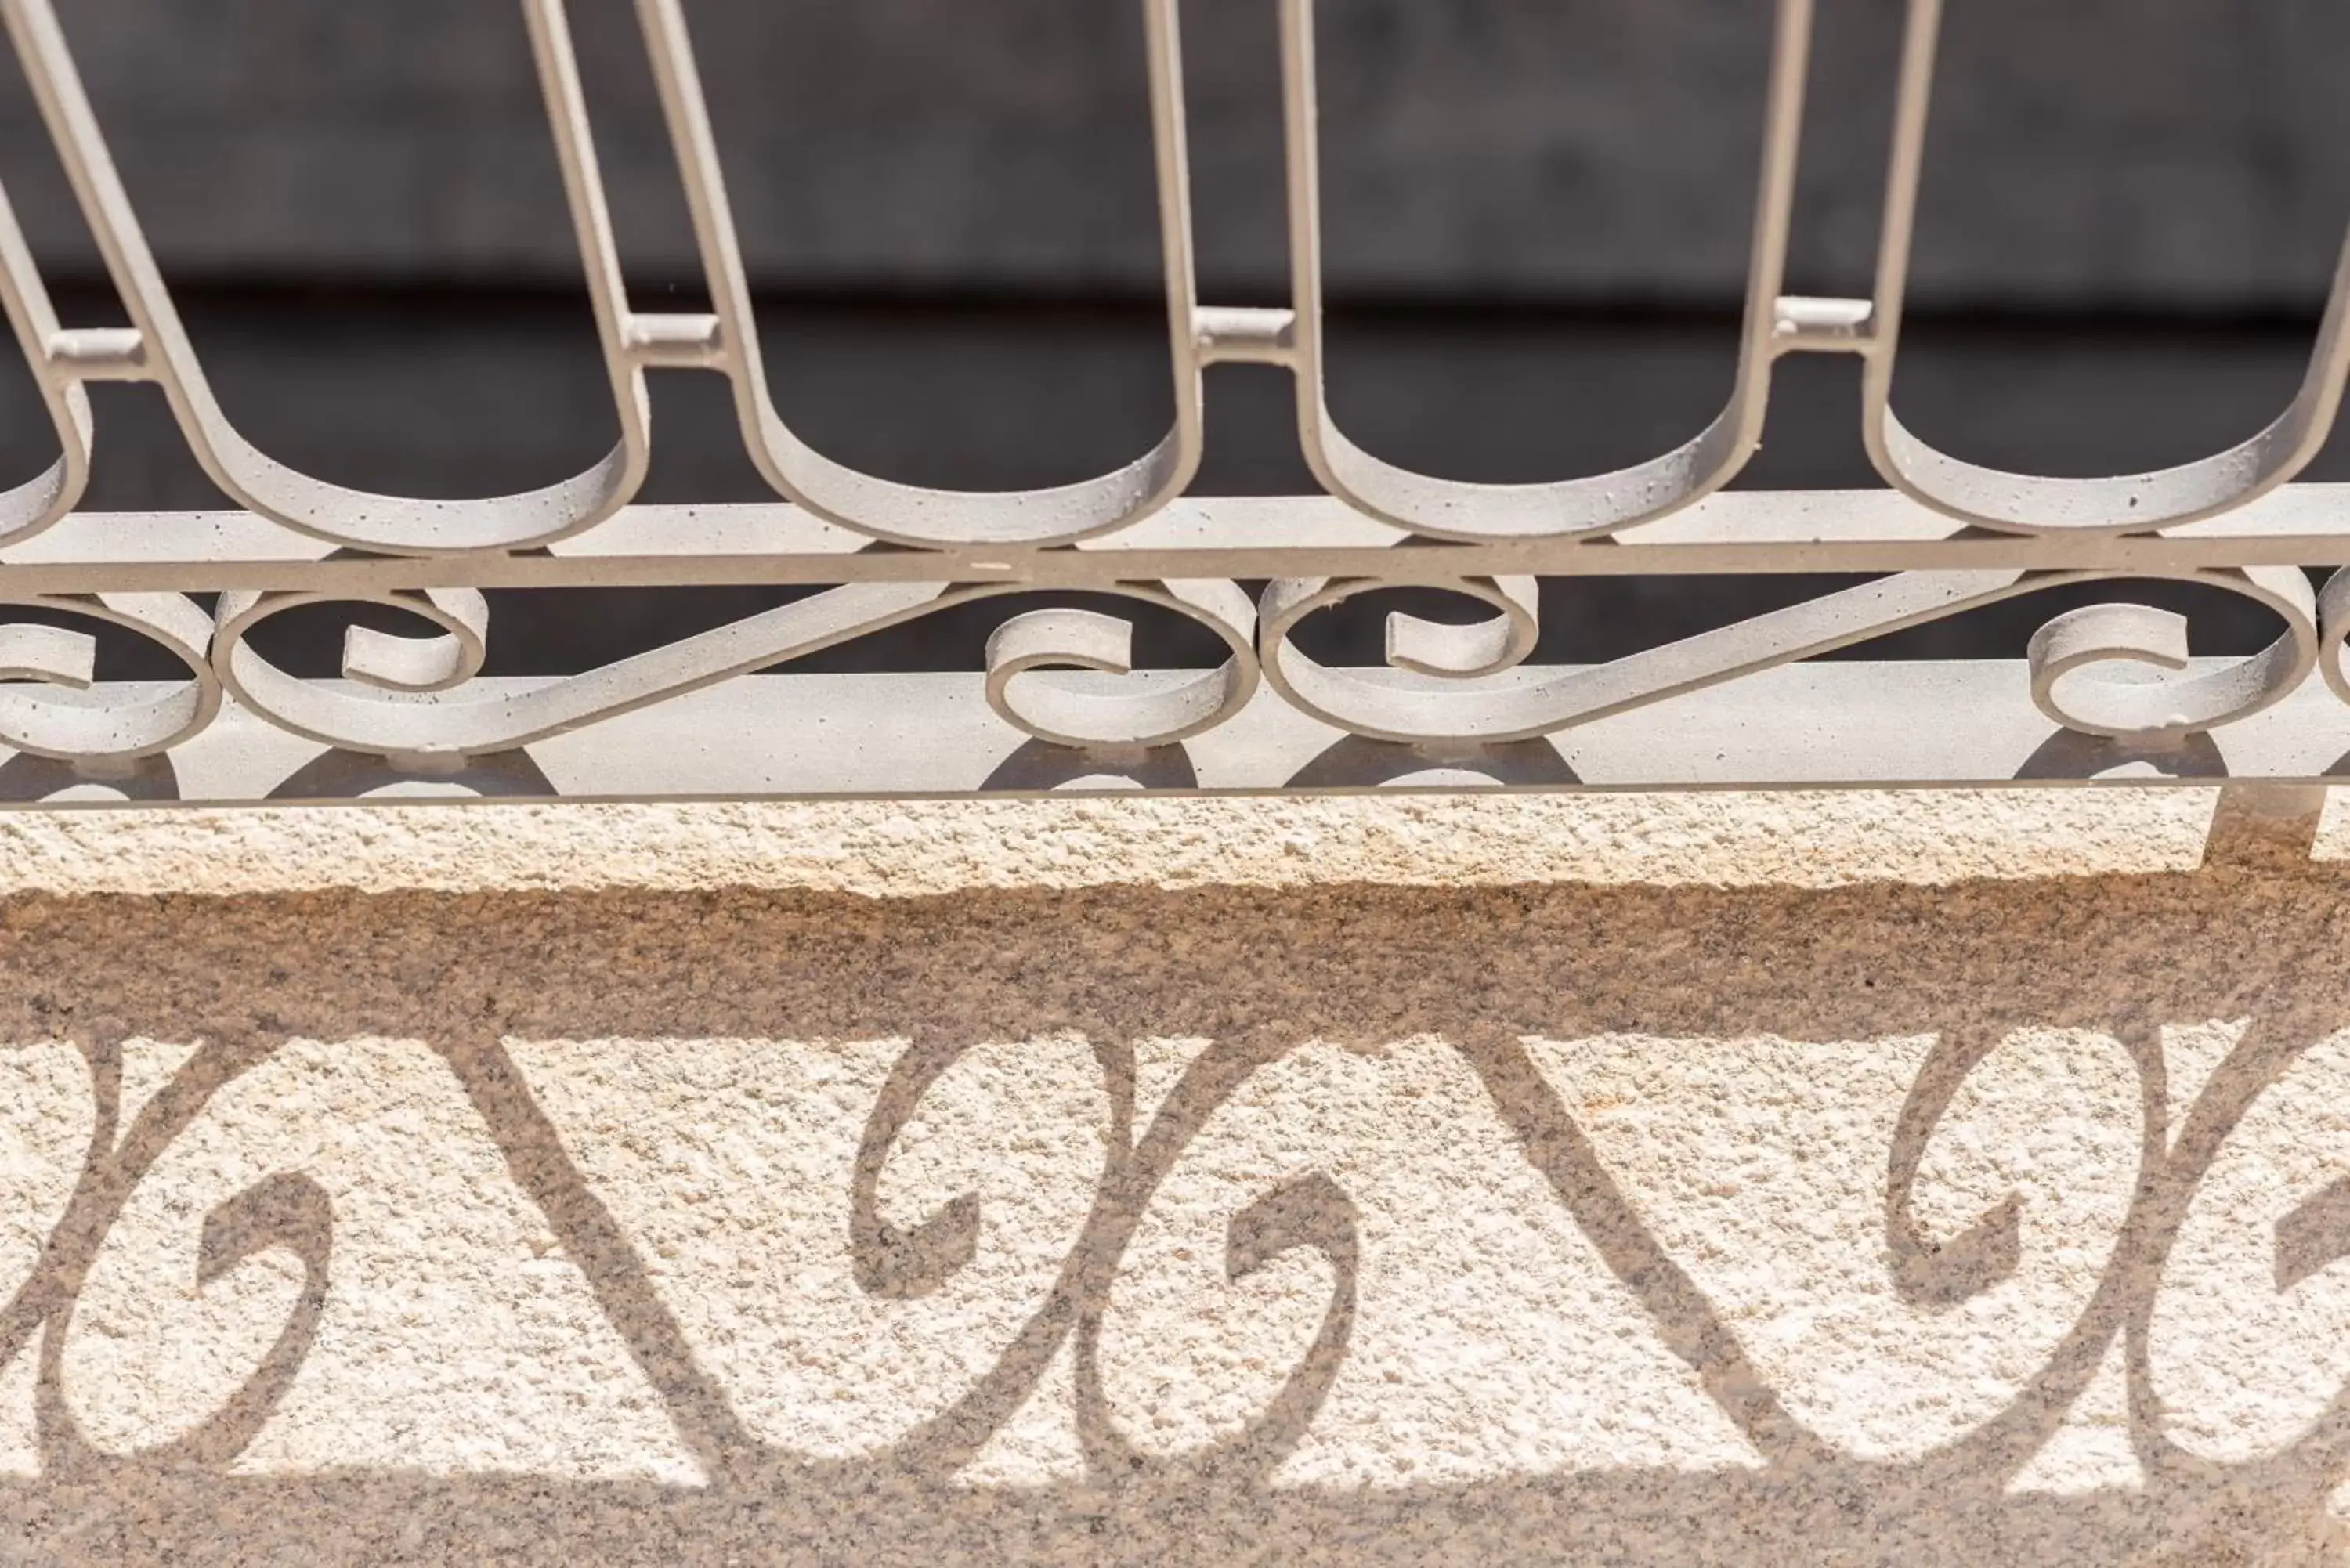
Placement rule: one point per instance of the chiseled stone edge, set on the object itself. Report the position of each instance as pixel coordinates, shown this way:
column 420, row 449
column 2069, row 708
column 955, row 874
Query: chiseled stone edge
column 902, row 850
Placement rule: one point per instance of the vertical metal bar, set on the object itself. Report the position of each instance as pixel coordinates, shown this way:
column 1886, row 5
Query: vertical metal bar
column 1583, row 507
column 1912, row 110
column 2025, row 502
column 163, row 353
column 555, row 56
column 37, row 504
column 906, row 513
column 1170, row 151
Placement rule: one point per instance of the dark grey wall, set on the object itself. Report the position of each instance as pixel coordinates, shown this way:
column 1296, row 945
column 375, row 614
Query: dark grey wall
column 2096, row 151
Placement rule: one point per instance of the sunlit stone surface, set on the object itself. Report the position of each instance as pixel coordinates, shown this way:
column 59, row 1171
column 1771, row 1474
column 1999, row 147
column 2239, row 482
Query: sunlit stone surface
column 1866, row 1221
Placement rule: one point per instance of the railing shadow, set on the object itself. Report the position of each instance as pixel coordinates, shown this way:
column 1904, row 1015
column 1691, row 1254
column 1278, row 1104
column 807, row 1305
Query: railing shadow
column 1357, row 761
column 1040, row 766
column 1254, row 978
column 2070, row 755
column 340, row 776
column 25, row 778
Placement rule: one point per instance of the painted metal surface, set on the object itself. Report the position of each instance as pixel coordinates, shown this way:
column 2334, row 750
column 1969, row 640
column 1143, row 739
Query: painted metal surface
column 2113, row 682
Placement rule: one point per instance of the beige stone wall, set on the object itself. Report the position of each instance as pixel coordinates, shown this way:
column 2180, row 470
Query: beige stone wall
column 1712, row 1182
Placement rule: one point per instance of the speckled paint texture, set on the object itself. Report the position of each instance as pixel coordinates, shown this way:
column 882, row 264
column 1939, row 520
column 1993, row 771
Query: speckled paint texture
column 1517, row 1201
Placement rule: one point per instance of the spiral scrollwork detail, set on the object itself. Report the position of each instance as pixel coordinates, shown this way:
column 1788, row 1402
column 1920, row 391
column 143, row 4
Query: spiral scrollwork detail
column 1471, row 685
column 2072, row 658
column 2334, row 622
column 1063, row 676
column 1066, row 676
column 1455, row 683
column 406, row 697
column 53, row 705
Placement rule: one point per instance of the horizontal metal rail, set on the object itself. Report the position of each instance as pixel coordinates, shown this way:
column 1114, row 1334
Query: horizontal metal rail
column 1945, row 537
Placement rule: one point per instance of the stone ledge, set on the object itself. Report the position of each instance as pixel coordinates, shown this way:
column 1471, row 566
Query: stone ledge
column 900, row 850
column 1342, row 1226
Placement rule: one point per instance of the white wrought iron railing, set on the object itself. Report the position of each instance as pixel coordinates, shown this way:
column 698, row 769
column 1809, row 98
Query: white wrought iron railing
column 2109, row 690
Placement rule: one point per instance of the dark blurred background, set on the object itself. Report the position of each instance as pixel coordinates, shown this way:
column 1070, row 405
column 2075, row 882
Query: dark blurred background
column 1538, row 213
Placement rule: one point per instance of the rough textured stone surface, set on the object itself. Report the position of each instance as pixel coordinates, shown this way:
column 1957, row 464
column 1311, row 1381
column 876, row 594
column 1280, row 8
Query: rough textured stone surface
column 896, row 850
column 1312, row 1221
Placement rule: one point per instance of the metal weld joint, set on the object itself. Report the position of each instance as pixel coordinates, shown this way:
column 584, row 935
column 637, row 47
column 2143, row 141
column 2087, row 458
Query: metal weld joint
column 676, row 341
column 1803, row 325
column 1246, row 334
column 100, row 354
